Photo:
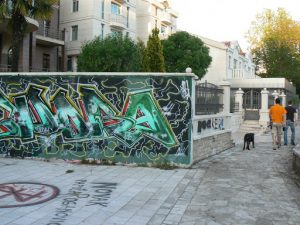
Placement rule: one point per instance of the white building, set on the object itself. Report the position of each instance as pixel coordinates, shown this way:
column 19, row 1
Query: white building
column 249, row 94
column 83, row 20
column 228, row 62
column 155, row 13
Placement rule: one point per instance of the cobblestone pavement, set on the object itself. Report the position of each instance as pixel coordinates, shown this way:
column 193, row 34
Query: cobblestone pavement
column 235, row 187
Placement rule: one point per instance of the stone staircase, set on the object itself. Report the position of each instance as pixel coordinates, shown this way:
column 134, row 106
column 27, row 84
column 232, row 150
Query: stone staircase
column 250, row 126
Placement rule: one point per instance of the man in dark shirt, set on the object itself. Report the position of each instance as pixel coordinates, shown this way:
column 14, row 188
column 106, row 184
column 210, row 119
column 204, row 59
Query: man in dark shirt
column 290, row 122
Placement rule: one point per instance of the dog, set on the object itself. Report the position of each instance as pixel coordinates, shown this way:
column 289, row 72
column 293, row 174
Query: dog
column 248, row 138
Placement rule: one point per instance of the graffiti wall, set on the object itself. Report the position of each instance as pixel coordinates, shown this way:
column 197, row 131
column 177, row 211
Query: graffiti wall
column 126, row 118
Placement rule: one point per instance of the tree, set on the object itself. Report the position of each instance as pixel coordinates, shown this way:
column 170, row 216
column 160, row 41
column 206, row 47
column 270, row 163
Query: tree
column 182, row 50
column 275, row 44
column 16, row 12
column 113, row 54
column 154, row 53
column 144, row 60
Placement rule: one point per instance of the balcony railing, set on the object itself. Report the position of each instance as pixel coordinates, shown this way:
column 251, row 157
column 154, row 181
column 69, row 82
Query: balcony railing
column 118, row 20
column 7, row 68
column 236, row 74
column 49, row 32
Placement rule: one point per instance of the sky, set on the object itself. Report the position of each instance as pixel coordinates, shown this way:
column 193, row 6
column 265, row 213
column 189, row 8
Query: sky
column 226, row 20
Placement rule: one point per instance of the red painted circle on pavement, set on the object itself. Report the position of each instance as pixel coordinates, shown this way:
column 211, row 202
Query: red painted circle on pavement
column 18, row 194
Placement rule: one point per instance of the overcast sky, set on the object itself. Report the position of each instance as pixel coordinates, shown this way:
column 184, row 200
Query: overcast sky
column 226, row 20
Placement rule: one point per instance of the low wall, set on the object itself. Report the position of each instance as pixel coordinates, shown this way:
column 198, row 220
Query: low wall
column 296, row 159
column 211, row 134
column 122, row 117
column 211, row 145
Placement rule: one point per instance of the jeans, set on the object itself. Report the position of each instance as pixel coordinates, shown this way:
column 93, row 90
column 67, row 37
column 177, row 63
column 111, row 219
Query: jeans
column 290, row 124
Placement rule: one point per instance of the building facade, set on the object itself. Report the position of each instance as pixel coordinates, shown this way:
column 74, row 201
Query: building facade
column 228, row 62
column 83, row 20
column 155, row 13
column 42, row 48
column 249, row 96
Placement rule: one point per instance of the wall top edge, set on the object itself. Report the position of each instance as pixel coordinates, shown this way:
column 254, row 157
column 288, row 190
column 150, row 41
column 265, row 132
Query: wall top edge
column 96, row 74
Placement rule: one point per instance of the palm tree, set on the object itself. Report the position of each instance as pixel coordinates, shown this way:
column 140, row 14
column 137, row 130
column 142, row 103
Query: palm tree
column 16, row 12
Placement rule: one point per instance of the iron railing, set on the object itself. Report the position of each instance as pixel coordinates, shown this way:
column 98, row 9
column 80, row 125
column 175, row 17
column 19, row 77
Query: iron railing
column 208, row 98
column 49, row 32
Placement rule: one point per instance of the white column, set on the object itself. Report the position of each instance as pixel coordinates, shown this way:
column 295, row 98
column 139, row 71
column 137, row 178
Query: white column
column 239, row 98
column 275, row 94
column 264, row 111
column 226, row 96
column 283, row 97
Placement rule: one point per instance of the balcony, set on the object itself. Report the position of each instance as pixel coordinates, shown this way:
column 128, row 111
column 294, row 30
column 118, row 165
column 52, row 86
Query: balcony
column 118, row 21
column 48, row 36
column 32, row 25
column 7, row 68
column 120, row 1
column 237, row 74
column 166, row 18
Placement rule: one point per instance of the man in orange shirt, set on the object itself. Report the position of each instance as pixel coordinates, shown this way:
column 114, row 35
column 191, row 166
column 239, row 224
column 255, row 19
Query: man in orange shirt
column 277, row 117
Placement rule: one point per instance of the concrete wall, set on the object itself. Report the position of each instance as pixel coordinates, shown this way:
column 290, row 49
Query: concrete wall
column 122, row 117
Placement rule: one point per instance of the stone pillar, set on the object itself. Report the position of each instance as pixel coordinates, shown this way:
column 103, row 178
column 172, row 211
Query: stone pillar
column 283, row 99
column 264, row 111
column 239, row 98
column 275, row 94
column 226, row 96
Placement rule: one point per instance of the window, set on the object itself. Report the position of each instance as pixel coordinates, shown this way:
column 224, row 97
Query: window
column 127, row 17
column 9, row 58
column 163, row 29
column 74, row 33
column 75, row 5
column 115, row 32
column 69, row 63
column 234, row 64
column 46, row 28
column 115, row 9
column 102, row 31
column 46, row 62
column 102, row 9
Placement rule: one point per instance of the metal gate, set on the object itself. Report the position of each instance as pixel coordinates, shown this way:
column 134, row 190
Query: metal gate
column 252, row 104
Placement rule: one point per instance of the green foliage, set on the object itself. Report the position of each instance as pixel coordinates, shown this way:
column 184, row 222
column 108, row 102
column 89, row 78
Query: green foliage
column 16, row 13
column 112, row 54
column 275, row 40
column 144, row 60
column 154, row 53
column 182, row 50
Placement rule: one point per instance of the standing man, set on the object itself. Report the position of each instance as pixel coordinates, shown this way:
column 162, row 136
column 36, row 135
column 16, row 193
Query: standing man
column 277, row 115
column 291, row 116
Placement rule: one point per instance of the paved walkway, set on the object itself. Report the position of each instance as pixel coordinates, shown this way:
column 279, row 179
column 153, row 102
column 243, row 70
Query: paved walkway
column 235, row 187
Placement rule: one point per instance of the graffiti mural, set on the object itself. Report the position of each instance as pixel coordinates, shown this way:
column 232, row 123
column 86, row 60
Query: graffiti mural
column 127, row 118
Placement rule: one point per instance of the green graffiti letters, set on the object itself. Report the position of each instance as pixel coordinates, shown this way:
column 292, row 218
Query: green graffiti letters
column 33, row 114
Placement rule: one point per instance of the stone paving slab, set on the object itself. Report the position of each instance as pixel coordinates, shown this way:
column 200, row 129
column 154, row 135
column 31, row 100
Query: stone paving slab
column 255, row 187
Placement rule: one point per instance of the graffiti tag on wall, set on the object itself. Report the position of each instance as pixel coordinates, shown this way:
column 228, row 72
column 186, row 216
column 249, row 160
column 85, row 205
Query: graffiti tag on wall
column 98, row 117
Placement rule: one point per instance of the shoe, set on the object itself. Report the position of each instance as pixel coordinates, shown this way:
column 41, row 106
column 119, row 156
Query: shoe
column 285, row 143
column 274, row 148
column 292, row 143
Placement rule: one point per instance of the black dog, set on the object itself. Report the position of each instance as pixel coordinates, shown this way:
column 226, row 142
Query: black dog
column 248, row 138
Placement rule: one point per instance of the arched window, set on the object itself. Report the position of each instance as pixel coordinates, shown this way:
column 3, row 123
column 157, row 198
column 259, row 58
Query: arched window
column 9, row 58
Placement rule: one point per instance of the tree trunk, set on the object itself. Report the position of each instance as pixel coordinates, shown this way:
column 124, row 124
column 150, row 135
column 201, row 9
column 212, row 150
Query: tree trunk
column 18, row 25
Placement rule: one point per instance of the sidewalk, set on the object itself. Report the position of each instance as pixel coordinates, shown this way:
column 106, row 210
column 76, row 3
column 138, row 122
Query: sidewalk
column 235, row 187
